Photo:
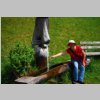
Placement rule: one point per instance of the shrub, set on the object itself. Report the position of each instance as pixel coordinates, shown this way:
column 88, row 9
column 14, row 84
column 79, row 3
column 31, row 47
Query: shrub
column 21, row 57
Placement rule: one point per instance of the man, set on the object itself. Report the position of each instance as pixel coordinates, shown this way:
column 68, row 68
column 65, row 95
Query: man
column 78, row 59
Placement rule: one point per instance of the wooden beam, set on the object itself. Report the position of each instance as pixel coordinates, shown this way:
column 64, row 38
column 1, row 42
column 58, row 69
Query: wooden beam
column 93, row 53
column 90, row 47
column 90, row 42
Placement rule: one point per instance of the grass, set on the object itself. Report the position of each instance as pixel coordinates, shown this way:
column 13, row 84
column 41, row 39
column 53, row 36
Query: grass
column 93, row 72
column 61, row 29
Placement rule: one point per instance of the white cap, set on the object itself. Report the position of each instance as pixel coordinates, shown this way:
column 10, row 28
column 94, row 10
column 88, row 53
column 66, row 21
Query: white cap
column 71, row 41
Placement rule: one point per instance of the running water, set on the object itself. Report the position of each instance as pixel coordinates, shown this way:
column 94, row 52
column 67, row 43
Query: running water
column 47, row 63
column 46, row 55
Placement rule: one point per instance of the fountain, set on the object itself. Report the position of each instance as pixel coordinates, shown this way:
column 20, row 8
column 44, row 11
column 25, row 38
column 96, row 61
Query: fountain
column 40, row 42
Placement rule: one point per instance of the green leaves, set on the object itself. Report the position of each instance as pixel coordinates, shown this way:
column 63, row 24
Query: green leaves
column 21, row 57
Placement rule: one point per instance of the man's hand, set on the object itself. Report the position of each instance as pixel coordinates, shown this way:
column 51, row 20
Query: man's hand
column 84, row 58
column 84, row 64
column 50, row 58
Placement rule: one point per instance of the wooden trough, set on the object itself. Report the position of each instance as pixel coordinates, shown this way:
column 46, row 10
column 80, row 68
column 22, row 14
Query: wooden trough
column 44, row 75
column 54, row 71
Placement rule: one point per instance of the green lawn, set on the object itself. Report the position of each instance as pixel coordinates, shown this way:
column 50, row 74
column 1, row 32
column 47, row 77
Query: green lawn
column 61, row 29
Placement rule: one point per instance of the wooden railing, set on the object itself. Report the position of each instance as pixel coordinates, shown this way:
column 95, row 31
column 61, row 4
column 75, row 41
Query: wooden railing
column 92, row 48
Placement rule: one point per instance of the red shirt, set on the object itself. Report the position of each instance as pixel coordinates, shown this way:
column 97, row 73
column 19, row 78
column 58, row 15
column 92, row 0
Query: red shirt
column 77, row 54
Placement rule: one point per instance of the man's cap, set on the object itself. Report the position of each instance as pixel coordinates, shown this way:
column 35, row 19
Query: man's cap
column 71, row 41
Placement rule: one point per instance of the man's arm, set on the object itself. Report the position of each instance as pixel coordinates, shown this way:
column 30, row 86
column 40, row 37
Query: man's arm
column 58, row 55
column 84, row 57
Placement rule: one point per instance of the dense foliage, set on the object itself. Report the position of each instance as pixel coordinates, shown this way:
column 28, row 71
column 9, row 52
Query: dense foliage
column 21, row 57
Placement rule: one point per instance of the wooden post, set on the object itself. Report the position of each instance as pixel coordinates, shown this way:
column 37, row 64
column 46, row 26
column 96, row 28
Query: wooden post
column 40, row 42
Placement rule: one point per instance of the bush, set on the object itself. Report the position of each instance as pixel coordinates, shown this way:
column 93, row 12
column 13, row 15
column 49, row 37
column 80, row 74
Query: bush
column 21, row 57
